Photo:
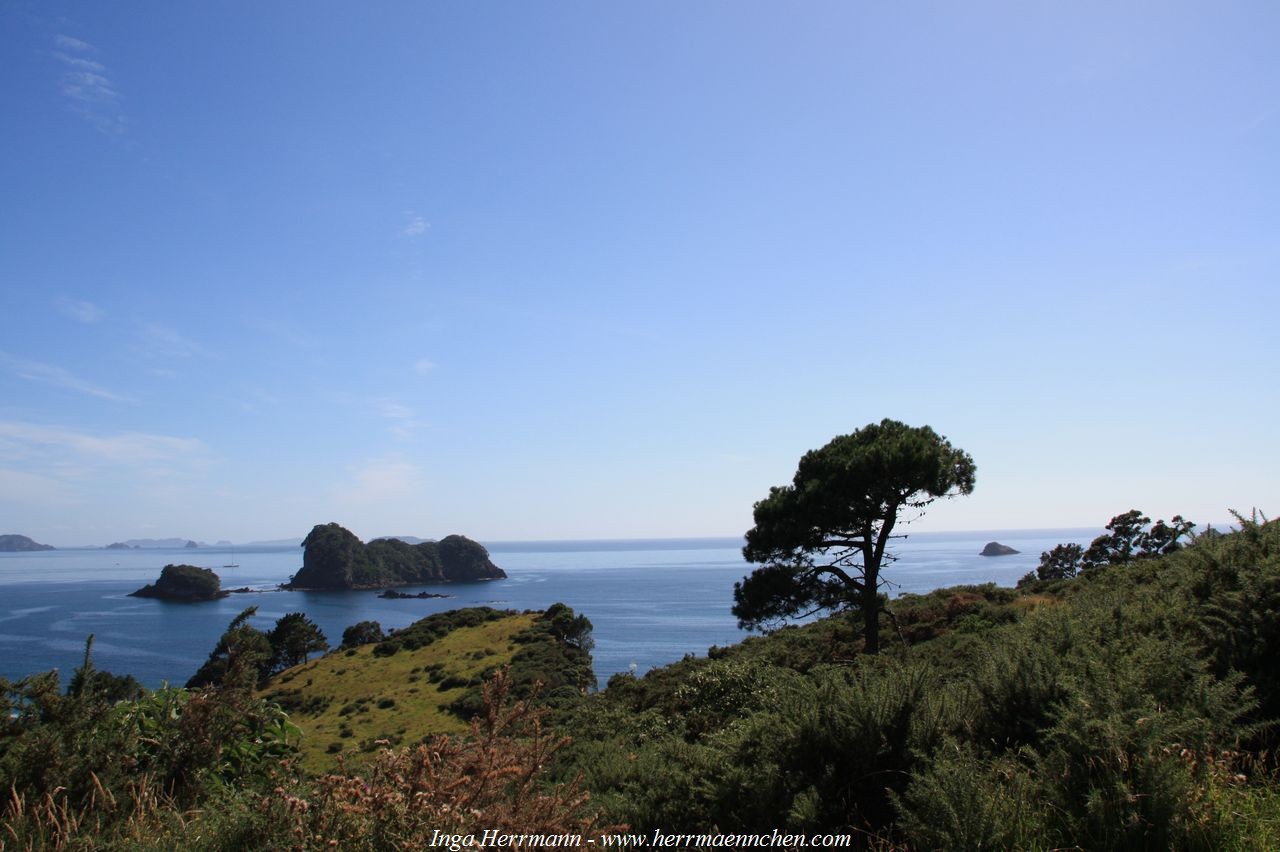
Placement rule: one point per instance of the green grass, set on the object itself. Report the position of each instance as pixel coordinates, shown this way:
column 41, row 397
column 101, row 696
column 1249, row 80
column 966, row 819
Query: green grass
column 347, row 701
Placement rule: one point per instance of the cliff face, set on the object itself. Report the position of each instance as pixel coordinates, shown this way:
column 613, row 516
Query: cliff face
column 334, row 558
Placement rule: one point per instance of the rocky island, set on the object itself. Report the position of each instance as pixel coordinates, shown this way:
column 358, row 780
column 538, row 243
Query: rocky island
column 21, row 544
column 995, row 548
column 184, row 583
column 334, row 558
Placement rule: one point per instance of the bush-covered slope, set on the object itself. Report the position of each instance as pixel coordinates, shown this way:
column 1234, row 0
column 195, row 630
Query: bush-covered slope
column 1129, row 708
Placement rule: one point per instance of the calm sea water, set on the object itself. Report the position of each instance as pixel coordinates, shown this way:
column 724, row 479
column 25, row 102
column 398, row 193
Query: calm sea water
column 651, row 602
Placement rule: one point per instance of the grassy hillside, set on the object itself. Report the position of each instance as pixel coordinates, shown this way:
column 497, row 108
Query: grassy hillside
column 348, row 701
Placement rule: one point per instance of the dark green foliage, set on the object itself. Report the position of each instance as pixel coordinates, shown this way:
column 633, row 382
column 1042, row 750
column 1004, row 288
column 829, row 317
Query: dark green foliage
column 1060, row 563
column 362, row 633
column 427, row 630
column 242, row 658
column 184, row 583
column 1129, row 539
column 294, row 701
column 334, row 558
column 556, row 653
column 963, row 800
column 823, row 539
column 464, row 560
column 245, row 656
column 840, row 747
column 1103, row 712
column 87, row 751
column 88, row 681
column 1233, row 594
column 564, row 626
column 1121, row 544
column 294, row 638
column 552, row 660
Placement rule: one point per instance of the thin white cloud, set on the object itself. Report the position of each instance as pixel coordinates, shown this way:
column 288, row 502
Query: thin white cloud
column 81, row 311
column 394, row 410
column 79, row 63
column 25, row 489
column 59, row 465
column 50, row 374
column 163, row 342
column 423, row 366
column 283, row 331
column 72, row 448
column 404, row 421
column 379, row 481
column 66, row 42
column 416, row 227
column 86, row 85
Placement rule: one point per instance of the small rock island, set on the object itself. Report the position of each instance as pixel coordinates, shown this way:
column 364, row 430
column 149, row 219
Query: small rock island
column 21, row 544
column 184, row 583
column 995, row 548
column 333, row 558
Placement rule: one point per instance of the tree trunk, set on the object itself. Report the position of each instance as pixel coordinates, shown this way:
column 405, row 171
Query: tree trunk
column 871, row 612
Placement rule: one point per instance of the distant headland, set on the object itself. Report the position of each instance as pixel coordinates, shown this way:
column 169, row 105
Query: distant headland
column 157, row 543
column 21, row 544
column 334, row 558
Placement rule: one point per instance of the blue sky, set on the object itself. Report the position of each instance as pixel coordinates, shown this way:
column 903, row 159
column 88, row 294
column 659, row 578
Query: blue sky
column 584, row 270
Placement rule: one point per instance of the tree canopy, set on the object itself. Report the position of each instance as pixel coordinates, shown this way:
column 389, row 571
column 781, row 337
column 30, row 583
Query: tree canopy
column 1128, row 539
column 822, row 540
column 245, row 656
column 294, row 638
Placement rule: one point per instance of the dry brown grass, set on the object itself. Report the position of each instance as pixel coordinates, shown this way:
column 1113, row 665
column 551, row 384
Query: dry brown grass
column 489, row 780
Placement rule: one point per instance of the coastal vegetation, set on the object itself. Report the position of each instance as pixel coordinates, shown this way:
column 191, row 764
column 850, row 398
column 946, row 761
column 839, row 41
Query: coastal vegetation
column 1123, row 696
column 334, row 558
column 1131, row 706
column 246, row 656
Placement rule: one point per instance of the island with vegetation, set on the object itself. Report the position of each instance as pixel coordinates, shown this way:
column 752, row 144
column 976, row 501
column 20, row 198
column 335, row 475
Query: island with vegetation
column 1122, row 696
column 334, row 558
column 185, row 583
column 21, row 544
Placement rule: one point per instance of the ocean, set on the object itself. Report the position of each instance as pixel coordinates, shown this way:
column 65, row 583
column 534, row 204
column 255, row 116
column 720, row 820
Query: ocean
column 652, row 601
